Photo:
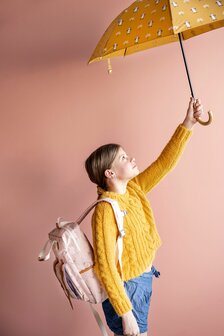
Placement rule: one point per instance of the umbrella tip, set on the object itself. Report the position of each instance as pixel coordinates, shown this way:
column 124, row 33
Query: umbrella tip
column 109, row 67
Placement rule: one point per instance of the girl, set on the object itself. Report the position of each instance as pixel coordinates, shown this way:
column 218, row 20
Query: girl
column 117, row 176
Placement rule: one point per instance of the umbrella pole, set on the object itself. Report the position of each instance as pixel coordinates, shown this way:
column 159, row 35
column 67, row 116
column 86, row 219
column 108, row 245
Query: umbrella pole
column 189, row 81
column 185, row 63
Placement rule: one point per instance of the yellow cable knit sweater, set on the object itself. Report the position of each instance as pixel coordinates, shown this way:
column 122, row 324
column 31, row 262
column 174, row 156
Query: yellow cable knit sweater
column 141, row 238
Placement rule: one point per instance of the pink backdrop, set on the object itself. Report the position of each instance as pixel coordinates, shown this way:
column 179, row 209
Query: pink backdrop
column 54, row 111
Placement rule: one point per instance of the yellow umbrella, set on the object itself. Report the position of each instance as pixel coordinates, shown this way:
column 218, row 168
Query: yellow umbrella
column 150, row 23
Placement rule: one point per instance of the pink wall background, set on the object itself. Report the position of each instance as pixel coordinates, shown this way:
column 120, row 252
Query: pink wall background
column 54, row 111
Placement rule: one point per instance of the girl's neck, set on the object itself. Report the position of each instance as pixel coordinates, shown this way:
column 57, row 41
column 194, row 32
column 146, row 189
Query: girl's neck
column 119, row 187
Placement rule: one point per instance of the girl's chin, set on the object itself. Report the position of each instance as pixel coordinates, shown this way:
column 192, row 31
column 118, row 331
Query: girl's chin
column 135, row 171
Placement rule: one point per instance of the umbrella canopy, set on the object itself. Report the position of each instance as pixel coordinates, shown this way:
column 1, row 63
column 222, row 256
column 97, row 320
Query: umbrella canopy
column 150, row 23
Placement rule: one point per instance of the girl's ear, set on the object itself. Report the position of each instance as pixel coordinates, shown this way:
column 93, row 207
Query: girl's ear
column 109, row 173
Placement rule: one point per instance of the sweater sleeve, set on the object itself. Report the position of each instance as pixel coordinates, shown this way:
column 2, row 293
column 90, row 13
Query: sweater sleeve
column 105, row 233
column 166, row 161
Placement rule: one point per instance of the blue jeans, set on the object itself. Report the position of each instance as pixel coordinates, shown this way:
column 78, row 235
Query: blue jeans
column 139, row 291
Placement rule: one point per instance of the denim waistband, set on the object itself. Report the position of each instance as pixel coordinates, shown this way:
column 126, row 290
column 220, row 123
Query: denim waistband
column 150, row 273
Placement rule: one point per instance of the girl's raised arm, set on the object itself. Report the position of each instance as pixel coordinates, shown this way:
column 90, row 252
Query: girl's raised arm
column 166, row 161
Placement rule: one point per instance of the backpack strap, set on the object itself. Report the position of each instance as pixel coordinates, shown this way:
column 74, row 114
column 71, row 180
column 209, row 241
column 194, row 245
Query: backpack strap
column 46, row 250
column 119, row 215
column 113, row 203
column 98, row 320
column 117, row 212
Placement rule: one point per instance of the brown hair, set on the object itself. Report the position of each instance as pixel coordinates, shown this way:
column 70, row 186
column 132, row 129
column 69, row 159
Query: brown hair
column 99, row 161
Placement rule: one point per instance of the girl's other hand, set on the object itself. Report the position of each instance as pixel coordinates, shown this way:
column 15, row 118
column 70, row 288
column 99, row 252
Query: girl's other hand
column 130, row 325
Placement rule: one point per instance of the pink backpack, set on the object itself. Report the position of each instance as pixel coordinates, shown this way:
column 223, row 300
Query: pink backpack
column 74, row 261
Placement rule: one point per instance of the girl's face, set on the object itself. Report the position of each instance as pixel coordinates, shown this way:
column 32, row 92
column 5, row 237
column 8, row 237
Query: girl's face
column 124, row 166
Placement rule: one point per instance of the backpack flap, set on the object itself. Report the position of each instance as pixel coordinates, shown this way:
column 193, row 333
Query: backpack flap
column 83, row 286
column 57, row 266
column 79, row 275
